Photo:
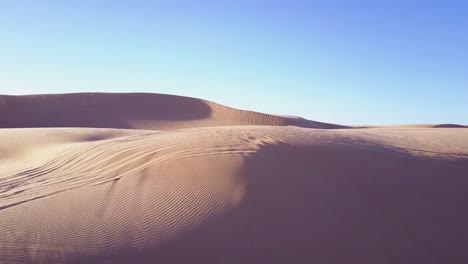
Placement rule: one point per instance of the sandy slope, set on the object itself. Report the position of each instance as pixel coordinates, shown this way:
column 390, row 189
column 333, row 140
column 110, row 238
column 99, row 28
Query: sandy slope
column 131, row 111
column 244, row 194
column 233, row 187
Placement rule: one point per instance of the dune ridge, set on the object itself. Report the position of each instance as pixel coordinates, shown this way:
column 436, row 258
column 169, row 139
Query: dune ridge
column 219, row 185
column 240, row 194
column 131, row 111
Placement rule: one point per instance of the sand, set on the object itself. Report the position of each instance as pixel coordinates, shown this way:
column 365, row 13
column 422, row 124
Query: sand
column 131, row 111
column 147, row 178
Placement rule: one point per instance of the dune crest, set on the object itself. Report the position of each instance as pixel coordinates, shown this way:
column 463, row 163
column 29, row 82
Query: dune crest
column 250, row 194
column 85, row 178
column 131, row 111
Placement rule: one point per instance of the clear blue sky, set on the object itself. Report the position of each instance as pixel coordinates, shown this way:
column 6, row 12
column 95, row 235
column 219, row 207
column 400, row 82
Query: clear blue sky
column 348, row 62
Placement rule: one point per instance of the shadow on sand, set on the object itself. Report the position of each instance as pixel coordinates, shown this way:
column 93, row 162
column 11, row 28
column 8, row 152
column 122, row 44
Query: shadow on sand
column 325, row 204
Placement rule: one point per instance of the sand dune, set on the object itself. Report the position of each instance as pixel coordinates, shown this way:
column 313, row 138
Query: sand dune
column 131, row 111
column 224, row 193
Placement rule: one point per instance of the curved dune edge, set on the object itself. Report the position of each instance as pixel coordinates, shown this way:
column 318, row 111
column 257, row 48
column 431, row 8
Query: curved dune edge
column 131, row 111
column 244, row 194
column 415, row 126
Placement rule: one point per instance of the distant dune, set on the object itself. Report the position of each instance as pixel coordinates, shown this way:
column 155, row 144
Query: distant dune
column 85, row 179
column 131, row 111
column 449, row 126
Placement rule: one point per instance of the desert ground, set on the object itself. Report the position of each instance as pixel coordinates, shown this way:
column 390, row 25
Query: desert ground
column 151, row 178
